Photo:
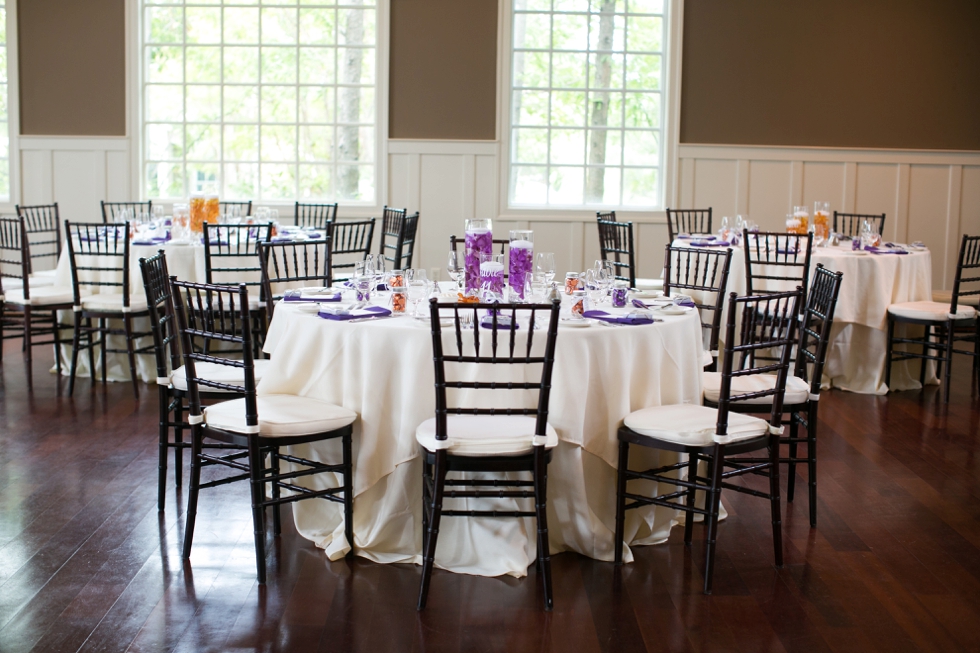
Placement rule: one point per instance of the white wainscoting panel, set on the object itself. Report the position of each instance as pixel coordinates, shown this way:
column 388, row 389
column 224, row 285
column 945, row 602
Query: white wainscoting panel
column 76, row 172
column 929, row 196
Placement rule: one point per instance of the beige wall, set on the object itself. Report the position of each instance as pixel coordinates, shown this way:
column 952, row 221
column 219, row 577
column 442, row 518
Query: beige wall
column 889, row 73
column 839, row 73
column 72, row 67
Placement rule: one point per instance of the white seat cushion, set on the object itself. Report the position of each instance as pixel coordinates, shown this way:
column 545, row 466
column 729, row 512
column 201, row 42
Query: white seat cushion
column 935, row 311
column 797, row 390
column 946, row 296
column 219, row 373
column 649, row 284
column 280, row 416
column 113, row 302
column 40, row 296
column 39, row 280
column 693, row 425
column 485, row 435
column 706, row 358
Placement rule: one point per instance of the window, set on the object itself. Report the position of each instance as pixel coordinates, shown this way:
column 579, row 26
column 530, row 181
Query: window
column 586, row 103
column 270, row 100
column 4, row 115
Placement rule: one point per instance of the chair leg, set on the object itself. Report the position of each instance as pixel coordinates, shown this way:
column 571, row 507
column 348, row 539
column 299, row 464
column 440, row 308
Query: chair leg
column 714, row 503
column 257, row 482
column 948, row 361
column 429, row 552
column 777, row 521
column 196, row 438
column 811, row 458
column 794, row 433
column 104, row 340
column 276, row 520
column 131, row 354
column 426, row 499
column 164, row 438
column 76, row 342
column 91, row 349
column 925, row 352
column 541, row 510
column 179, row 439
column 28, row 328
column 692, row 477
column 56, row 333
column 888, row 351
column 624, row 459
column 348, row 493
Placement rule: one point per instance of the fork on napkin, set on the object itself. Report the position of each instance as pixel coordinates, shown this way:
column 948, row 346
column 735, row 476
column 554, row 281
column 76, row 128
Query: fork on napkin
column 634, row 317
column 339, row 313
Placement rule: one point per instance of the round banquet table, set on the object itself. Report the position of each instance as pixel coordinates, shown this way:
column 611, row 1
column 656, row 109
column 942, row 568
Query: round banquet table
column 383, row 370
column 858, row 340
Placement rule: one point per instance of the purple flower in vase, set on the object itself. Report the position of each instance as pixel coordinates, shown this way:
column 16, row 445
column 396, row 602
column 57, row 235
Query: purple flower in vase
column 478, row 243
column 521, row 264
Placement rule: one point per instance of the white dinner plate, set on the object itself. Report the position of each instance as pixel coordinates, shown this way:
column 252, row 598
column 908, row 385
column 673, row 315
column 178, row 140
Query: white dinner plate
column 673, row 310
column 578, row 324
column 646, row 294
column 306, row 307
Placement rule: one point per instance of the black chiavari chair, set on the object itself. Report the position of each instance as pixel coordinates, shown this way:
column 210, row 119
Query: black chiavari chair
column 26, row 312
column 99, row 257
column 801, row 399
column 401, row 227
column 849, row 224
column 231, row 256
column 171, row 374
column 43, row 226
column 616, row 242
column 465, row 439
column 257, row 426
column 317, row 216
column 775, row 261
column 609, row 216
column 716, row 435
column 688, row 221
column 944, row 324
column 113, row 210
column 244, row 208
column 292, row 265
column 704, row 275
column 350, row 240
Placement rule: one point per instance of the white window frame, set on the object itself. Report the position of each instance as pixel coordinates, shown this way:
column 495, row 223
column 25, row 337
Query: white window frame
column 13, row 110
column 135, row 112
column 670, row 105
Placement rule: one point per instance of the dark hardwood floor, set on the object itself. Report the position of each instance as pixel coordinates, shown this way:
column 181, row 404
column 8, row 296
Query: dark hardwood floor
column 88, row 564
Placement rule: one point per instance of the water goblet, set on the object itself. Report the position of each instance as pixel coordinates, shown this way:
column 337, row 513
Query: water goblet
column 455, row 267
column 545, row 263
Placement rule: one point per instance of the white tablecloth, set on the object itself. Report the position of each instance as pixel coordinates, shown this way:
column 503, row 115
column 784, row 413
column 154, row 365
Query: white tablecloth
column 871, row 282
column 383, row 370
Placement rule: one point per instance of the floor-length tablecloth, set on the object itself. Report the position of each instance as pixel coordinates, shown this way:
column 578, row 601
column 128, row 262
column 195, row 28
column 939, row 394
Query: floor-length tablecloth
column 858, row 342
column 383, row 371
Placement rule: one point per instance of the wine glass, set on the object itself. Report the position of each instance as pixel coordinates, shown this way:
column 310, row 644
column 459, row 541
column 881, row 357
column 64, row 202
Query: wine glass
column 594, row 285
column 455, row 268
column 418, row 288
column 725, row 231
column 545, row 263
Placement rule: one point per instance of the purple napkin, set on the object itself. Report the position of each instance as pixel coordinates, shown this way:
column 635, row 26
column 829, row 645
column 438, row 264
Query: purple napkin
column 690, row 236
column 350, row 284
column 618, row 319
column 297, row 296
column 715, row 243
column 369, row 311
column 503, row 323
column 156, row 240
column 783, row 250
column 876, row 250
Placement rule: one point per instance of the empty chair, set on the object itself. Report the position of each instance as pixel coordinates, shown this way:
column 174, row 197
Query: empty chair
column 42, row 223
column 113, row 211
column 26, row 311
column 171, row 373
column 231, row 256
column 350, row 241
column 775, row 261
column 849, row 224
column 467, row 439
column 944, row 324
column 317, row 216
column 398, row 237
column 715, row 435
column 292, row 265
column 616, row 245
column 99, row 257
column 606, row 215
column 803, row 386
column 688, row 221
column 703, row 274
column 244, row 208
column 258, row 425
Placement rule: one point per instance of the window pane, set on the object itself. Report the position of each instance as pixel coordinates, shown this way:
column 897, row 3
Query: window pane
column 606, row 33
column 640, row 187
column 241, row 143
column 278, row 143
column 164, row 103
column 278, row 104
column 279, row 26
column 565, row 186
column 315, row 180
column 605, row 147
column 202, row 177
column 279, row 65
column 643, row 110
column 355, row 182
column 316, row 104
column 605, row 109
column 532, row 31
column 606, row 71
column 165, row 180
column 164, row 64
column 241, row 104
column 531, row 145
column 568, row 70
column 642, row 148
column 568, row 108
column 647, row 6
column 204, row 64
column 568, row 146
column 241, row 65
column 531, row 185
column 532, row 69
column 355, row 26
column 241, row 180
column 316, row 66
column 570, row 32
column 203, row 103
column 355, row 65
column 643, row 71
column 602, row 185
column 164, row 142
column 316, row 26
column 203, row 142
column 203, row 25
column 164, row 25
column 241, row 25
column 278, row 181
column 645, row 34
column 316, row 143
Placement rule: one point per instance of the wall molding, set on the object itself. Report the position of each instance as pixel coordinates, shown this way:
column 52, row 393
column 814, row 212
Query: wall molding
column 113, row 143
column 856, row 155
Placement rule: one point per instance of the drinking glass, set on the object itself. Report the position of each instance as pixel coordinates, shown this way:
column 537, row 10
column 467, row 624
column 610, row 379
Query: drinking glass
column 816, row 233
column 725, row 231
column 455, row 268
column 536, row 288
column 418, row 289
column 545, row 263
column 594, row 286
